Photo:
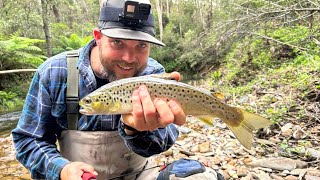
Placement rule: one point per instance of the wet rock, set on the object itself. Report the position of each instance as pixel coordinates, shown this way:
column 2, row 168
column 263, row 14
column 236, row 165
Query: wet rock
column 248, row 177
column 169, row 152
column 225, row 174
column 219, row 124
column 216, row 160
column 314, row 173
column 298, row 172
column 233, row 174
column 232, row 162
column 188, row 153
column 184, row 130
column 278, row 163
column 242, row 171
column 260, row 175
column 313, row 153
column 299, row 134
column 265, row 169
column 265, row 142
column 286, row 130
column 276, row 177
column 195, row 148
column 309, row 177
column 204, row 147
column 275, row 139
column 291, row 177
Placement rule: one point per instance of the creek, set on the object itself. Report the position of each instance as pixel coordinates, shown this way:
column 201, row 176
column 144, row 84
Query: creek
column 8, row 121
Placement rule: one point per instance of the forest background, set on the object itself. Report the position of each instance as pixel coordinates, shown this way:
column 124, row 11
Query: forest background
column 263, row 55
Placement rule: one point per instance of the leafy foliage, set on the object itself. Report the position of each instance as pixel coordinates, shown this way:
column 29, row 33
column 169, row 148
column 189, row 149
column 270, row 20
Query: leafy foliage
column 18, row 52
column 73, row 42
column 9, row 101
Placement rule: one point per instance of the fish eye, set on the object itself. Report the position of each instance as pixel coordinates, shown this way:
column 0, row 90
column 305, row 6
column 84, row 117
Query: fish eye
column 87, row 100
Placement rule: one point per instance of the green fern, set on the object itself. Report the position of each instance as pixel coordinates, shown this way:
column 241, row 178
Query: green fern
column 17, row 52
column 70, row 43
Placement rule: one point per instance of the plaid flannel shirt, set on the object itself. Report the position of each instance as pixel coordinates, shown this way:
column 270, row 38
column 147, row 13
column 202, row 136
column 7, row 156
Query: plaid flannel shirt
column 44, row 117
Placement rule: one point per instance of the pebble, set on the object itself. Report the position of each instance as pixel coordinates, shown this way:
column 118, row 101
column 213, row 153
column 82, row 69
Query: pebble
column 242, row 171
column 291, row 177
column 204, row 147
column 276, row 177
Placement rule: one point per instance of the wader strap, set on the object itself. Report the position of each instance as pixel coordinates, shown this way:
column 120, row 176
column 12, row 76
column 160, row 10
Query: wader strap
column 72, row 98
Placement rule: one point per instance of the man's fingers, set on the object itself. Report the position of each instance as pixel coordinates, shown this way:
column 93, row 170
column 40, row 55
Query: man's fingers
column 150, row 114
column 137, row 111
column 175, row 75
column 88, row 168
column 74, row 171
column 179, row 115
column 165, row 115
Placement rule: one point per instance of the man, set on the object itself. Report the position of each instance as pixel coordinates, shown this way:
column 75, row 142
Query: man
column 102, row 144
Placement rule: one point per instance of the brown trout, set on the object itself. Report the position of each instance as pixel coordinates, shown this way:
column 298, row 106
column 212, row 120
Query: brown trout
column 115, row 98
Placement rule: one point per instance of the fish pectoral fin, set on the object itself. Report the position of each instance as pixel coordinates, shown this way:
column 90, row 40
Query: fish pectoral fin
column 218, row 95
column 208, row 119
column 115, row 107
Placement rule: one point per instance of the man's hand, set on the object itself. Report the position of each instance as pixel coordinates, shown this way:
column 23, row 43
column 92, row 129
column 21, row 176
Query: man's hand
column 148, row 115
column 74, row 171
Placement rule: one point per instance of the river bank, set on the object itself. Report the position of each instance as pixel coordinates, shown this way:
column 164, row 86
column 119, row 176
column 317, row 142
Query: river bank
column 10, row 168
column 216, row 148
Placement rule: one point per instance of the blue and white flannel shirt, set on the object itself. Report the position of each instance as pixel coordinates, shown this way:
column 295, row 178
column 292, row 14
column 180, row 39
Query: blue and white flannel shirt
column 44, row 117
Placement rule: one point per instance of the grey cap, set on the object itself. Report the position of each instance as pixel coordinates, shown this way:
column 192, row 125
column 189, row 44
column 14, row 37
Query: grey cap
column 113, row 25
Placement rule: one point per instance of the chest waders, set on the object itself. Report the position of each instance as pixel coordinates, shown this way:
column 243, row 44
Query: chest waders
column 104, row 150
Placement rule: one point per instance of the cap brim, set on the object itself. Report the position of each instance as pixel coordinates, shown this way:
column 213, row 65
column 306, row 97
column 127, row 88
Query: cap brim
column 131, row 35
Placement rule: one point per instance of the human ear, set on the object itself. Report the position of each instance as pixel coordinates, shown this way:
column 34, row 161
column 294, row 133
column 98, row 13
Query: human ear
column 97, row 34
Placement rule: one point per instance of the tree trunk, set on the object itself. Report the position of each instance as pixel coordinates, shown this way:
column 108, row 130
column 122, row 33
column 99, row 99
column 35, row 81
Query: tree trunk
column 209, row 17
column 56, row 13
column 46, row 30
column 159, row 11
column 180, row 26
column 200, row 7
column 168, row 8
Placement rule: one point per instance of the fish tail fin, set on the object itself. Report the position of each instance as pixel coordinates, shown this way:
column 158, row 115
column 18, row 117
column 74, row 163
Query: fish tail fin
column 250, row 122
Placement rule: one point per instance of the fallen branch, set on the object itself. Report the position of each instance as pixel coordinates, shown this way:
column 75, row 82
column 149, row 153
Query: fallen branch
column 17, row 71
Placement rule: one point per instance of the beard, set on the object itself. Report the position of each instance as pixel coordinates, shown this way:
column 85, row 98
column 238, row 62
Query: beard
column 107, row 68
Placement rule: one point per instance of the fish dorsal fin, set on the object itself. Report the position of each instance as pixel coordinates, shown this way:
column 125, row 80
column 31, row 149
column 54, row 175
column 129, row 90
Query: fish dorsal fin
column 166, row 76
column 218, row 95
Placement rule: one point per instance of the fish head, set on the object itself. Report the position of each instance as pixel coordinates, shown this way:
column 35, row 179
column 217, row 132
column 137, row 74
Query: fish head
column 98, row 103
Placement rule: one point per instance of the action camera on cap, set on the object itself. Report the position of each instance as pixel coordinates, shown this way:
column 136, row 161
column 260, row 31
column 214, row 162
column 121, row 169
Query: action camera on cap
column 134, row 12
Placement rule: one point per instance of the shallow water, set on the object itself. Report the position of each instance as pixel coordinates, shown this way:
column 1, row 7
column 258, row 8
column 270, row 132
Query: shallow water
column 8, row 121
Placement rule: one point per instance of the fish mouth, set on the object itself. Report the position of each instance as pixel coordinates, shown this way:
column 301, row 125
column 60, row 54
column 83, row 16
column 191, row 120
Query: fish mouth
column 86, row 110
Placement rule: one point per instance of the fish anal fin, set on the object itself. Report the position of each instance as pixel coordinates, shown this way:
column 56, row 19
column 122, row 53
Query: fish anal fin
column 208, row 119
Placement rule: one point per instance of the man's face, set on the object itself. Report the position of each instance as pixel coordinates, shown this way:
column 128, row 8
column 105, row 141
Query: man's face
column 122, row 58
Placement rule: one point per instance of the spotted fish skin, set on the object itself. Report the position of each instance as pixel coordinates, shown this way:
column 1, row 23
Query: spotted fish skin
column 115, row 98
column 193, row 100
